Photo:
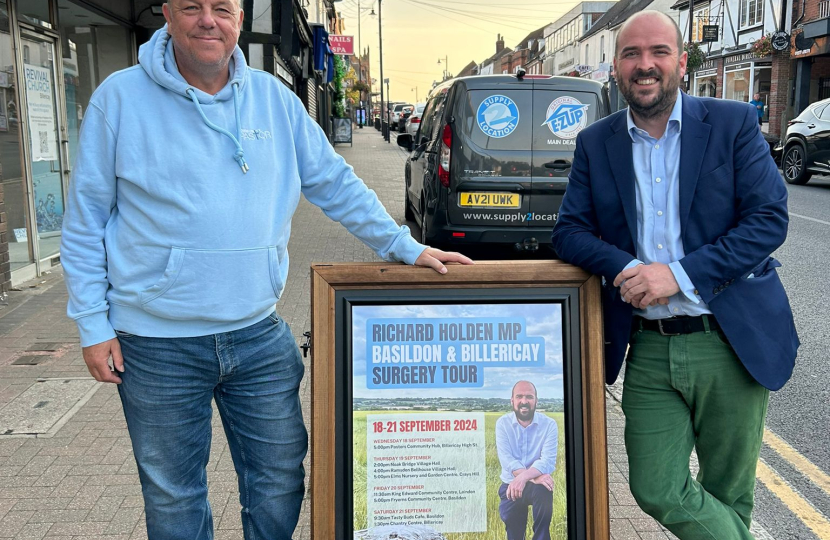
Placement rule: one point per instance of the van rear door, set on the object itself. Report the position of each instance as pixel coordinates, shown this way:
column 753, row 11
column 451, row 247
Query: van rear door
column 557, row 119
column 491, row 160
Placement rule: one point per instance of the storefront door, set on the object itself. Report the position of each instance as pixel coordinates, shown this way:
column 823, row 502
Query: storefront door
column 48, row 181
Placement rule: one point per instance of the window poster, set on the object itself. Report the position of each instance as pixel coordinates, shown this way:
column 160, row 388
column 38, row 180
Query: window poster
column 458, row 421
column 42, row 124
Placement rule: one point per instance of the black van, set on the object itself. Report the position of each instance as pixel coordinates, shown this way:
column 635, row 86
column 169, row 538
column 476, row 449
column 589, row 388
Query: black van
column 491, row 158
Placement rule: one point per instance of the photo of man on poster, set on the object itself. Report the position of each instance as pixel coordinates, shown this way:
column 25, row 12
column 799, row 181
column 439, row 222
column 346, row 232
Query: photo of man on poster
column 431, row 385
column 526, row 443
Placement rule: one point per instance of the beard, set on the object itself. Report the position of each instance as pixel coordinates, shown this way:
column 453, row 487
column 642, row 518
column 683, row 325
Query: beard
column 651, row 107
column 524, row 414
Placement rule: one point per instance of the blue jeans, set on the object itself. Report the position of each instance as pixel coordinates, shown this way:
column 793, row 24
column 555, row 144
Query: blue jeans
column 254, row 375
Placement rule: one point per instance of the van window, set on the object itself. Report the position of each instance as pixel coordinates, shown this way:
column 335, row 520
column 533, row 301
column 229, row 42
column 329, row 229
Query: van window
column 431, row 120
column 426, row 121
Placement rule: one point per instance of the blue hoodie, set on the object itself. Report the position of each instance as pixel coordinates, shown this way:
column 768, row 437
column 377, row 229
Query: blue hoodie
column 165, row 235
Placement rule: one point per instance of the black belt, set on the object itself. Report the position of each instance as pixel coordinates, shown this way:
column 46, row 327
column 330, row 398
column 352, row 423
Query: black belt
column 676, row 326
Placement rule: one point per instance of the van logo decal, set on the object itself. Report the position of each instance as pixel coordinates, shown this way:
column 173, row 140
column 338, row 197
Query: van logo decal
column 497, row 116
column 566, row 117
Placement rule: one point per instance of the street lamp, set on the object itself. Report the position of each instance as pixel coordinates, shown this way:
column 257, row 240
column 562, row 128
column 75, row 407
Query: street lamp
column 360, row 65
column 360, row 116
column 385, row 129
column 446, row 68
column 691, row 41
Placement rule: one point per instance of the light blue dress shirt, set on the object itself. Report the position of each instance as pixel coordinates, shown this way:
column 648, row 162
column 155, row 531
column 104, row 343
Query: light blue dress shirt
column 657, row 169
column 524, row 447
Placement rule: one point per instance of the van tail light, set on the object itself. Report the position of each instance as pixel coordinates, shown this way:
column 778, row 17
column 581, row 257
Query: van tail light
column 446, row 150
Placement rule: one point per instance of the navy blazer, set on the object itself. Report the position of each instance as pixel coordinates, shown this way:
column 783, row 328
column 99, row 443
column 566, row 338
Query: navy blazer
column 733, row 215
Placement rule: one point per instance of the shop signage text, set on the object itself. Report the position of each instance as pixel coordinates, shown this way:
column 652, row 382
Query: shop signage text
column 343, row 45
column 781, row 41
column 710, row 33
column 803, row 47
column 737, row 59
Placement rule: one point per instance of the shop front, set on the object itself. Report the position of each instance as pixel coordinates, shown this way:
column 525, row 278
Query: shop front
column 706, row 80
column 746, row 75
column 53, row 54
column 811, row 54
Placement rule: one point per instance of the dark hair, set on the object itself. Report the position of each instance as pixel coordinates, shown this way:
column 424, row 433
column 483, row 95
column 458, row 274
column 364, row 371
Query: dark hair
column 633, row 19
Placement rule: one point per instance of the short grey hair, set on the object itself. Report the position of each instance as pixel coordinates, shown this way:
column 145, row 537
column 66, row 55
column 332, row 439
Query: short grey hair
column 648, row 12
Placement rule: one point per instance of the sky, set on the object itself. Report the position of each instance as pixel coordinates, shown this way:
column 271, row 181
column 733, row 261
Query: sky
column 417, row 33
column 542, row 322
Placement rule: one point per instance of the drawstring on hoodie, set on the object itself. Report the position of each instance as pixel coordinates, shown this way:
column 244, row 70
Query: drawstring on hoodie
column 239, row 155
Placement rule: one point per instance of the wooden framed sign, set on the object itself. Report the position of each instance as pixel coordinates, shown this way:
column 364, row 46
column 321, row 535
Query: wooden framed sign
column 457, row 407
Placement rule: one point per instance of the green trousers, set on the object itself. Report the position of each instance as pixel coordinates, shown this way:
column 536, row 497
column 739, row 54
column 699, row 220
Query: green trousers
column 685, row 392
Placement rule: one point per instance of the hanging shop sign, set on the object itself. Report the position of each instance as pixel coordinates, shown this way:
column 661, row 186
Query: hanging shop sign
column 803, row 47
column 781, row 41
column 710, row 32
column 342, row 45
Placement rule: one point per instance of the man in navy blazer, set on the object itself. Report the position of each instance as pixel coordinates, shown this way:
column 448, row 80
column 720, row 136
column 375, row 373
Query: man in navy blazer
column 678, row 205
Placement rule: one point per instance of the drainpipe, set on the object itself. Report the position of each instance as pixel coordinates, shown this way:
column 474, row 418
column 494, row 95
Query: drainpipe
column 803, row 8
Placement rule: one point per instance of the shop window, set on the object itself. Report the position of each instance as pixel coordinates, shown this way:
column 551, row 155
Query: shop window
column 752, row 12
column 761, row 83
column 35, row 12
column 736, row 85
column 11, row 166
column 706, row 86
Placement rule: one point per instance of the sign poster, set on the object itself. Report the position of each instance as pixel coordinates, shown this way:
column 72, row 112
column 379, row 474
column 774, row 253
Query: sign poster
column 458, row 421
column 41, row 106
column 342, row 45
column 342, row 130
column 710, row 33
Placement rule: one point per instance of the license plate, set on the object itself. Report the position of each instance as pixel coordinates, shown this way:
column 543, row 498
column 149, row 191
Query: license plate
column 490, row 200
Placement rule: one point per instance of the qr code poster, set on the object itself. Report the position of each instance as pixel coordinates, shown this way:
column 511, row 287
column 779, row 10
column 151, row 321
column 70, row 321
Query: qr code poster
column 40, row 96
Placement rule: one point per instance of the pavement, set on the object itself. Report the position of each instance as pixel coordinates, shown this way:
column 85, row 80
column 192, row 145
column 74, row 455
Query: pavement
column 76, row 479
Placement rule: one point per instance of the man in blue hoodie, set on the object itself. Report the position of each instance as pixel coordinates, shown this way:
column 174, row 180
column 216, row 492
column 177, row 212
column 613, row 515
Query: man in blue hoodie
column 189, row 169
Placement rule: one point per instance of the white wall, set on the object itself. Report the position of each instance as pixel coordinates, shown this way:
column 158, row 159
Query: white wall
column 731, row 34
column 568, row 55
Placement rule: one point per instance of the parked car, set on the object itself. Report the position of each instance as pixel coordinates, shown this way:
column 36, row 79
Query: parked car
column 397, row 109
column 489, row 162
column 414, row 120
column 806, row 147
column 405, row 114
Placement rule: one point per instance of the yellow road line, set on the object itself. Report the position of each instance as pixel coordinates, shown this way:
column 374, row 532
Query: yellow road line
column 802, row 464
column 802, row 509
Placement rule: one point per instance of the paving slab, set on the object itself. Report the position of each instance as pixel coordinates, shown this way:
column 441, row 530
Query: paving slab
column 38, row 409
